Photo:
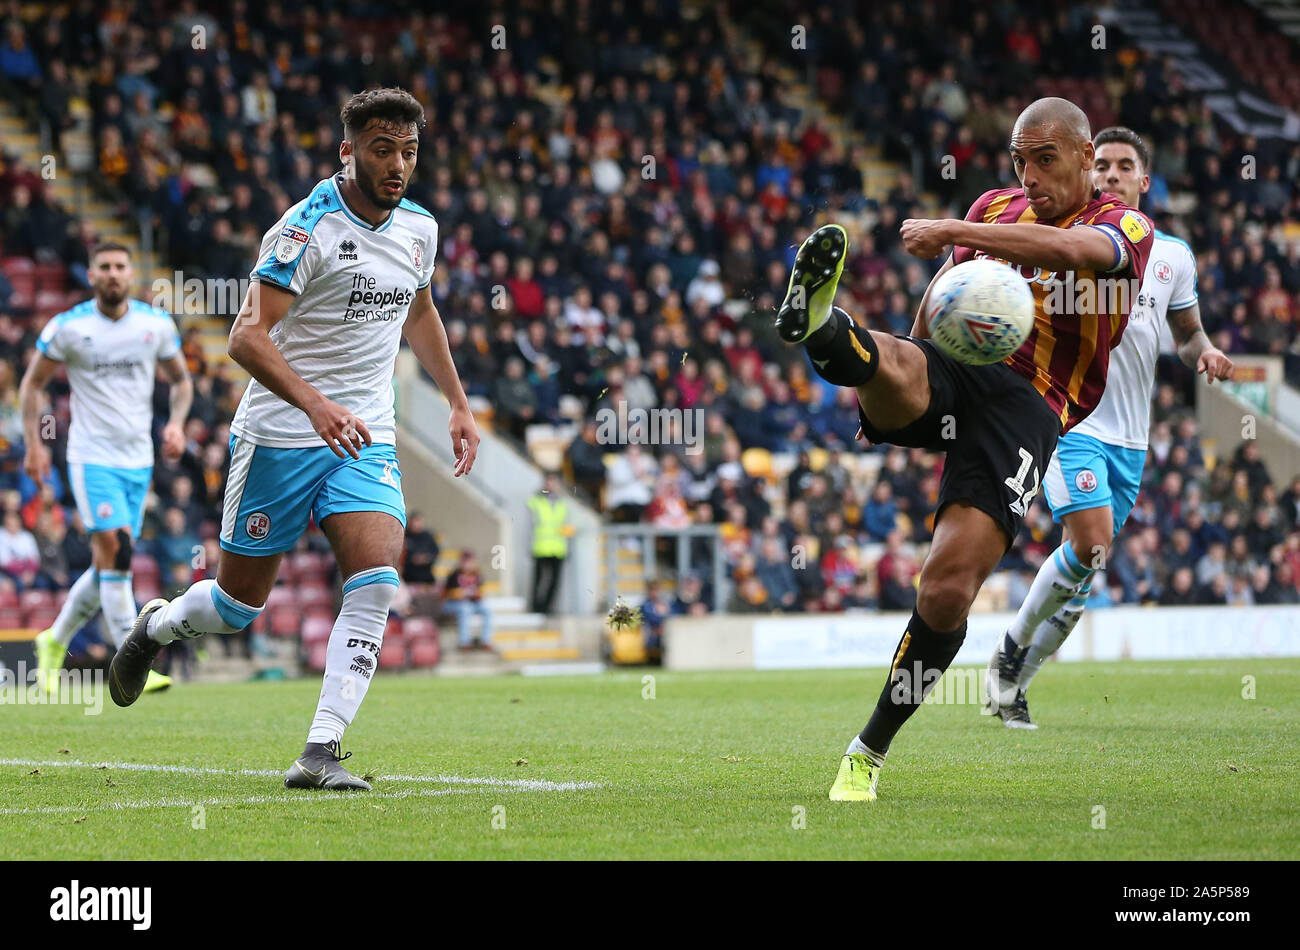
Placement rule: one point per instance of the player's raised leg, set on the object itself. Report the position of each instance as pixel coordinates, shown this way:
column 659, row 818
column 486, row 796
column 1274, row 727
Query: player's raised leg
column 890, row 374
column 368, row 546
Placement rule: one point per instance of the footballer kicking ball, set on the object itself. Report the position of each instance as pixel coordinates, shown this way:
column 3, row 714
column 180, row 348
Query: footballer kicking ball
column 980, row 312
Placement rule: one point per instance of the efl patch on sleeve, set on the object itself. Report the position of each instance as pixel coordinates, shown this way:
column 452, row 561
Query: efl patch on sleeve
column 1134, row 226
column 291, row 243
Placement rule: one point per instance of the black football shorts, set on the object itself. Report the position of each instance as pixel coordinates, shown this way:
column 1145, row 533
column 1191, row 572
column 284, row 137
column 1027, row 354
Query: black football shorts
column 997, row 430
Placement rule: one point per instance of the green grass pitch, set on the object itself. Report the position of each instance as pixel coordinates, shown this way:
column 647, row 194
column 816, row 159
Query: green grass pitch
column 719, row 765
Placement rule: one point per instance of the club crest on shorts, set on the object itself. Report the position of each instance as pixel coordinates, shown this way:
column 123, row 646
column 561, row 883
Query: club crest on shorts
column 104, row 511
column 292, row 240
column 1085, row 480
column 258, row 525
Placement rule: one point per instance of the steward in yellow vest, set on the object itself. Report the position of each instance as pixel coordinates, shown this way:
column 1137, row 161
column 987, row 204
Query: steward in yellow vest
column 551, row 534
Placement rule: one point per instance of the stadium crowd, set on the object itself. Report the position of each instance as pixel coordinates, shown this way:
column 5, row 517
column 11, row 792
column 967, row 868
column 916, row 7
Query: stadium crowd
column 619, row 192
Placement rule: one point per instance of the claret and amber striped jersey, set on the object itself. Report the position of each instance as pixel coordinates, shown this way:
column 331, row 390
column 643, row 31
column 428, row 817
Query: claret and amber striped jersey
column 1079, row 315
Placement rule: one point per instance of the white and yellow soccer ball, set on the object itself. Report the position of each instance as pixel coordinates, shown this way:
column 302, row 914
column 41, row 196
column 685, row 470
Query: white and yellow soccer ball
column 980, row 312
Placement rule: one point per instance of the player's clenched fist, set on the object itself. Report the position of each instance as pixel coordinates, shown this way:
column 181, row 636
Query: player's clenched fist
column 339, row 427
column 925, row 238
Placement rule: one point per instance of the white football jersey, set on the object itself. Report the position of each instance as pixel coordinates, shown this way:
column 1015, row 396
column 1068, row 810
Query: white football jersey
column 111, row 366
column 354, row 285
column 1123, row 417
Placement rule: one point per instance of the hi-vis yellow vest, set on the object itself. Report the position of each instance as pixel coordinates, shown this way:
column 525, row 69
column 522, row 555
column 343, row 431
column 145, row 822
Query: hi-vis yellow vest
column 548, row 519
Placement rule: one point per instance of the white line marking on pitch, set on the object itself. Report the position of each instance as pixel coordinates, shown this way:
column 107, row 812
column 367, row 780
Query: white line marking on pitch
column 214, row 802
column 523, row 784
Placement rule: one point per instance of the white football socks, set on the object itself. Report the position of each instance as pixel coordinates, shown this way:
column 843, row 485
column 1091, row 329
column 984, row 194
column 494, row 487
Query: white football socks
column 79, row 606
column 1052, row 633
column 857, row 745
column 1057, row 581
column 352, row 655
column 204, row 608
column 118, row 603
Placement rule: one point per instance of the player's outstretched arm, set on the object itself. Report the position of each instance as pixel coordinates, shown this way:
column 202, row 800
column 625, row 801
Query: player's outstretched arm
column 1194, row 347
column 428, row 339
column 1033, row 245
column 31, row 396
column 251, row 347
column 180, row 400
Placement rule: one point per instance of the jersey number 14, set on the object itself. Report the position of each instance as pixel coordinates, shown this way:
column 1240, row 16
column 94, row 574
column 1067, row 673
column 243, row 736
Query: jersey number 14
column 1016, row 483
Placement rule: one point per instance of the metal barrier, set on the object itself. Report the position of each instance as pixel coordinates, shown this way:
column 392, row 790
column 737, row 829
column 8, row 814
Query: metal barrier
column 614, row 535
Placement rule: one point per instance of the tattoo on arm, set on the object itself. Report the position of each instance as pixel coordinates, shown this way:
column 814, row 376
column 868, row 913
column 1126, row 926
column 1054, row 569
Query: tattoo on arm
column 1189, row 335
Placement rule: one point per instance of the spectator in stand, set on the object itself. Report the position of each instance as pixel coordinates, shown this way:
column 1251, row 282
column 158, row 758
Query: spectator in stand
column 1263, row 533
column 806, row 565
column 690, row 597
column 628, row 481
column 777, row 576
column 49, row 533
column 587, row 460
column 20, row 557
column 880, row 516
column 178, row 545
column 463, row 593
column 655, row 609
column 421, row 552
column 1284, row 579
column 667, row 509
column 840, row 564
column 862, row 597
column 750, row 597
column 896, row 572
column 1181, row 589
column 514, row 400
column 18, row 64
column 1213, row 564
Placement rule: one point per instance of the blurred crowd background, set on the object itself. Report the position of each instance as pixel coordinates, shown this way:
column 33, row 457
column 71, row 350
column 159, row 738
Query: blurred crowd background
column 619, row 193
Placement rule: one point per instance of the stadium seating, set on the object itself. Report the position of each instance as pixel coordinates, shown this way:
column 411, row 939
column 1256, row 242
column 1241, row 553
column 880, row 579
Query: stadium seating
column 630, row 245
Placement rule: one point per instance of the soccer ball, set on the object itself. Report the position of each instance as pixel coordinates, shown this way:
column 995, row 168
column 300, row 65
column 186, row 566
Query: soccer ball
column 980, row 312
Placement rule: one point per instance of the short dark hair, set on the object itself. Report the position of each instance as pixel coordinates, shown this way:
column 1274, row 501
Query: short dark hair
column 1125, row 136
column 388, row 105
column 104, row 246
